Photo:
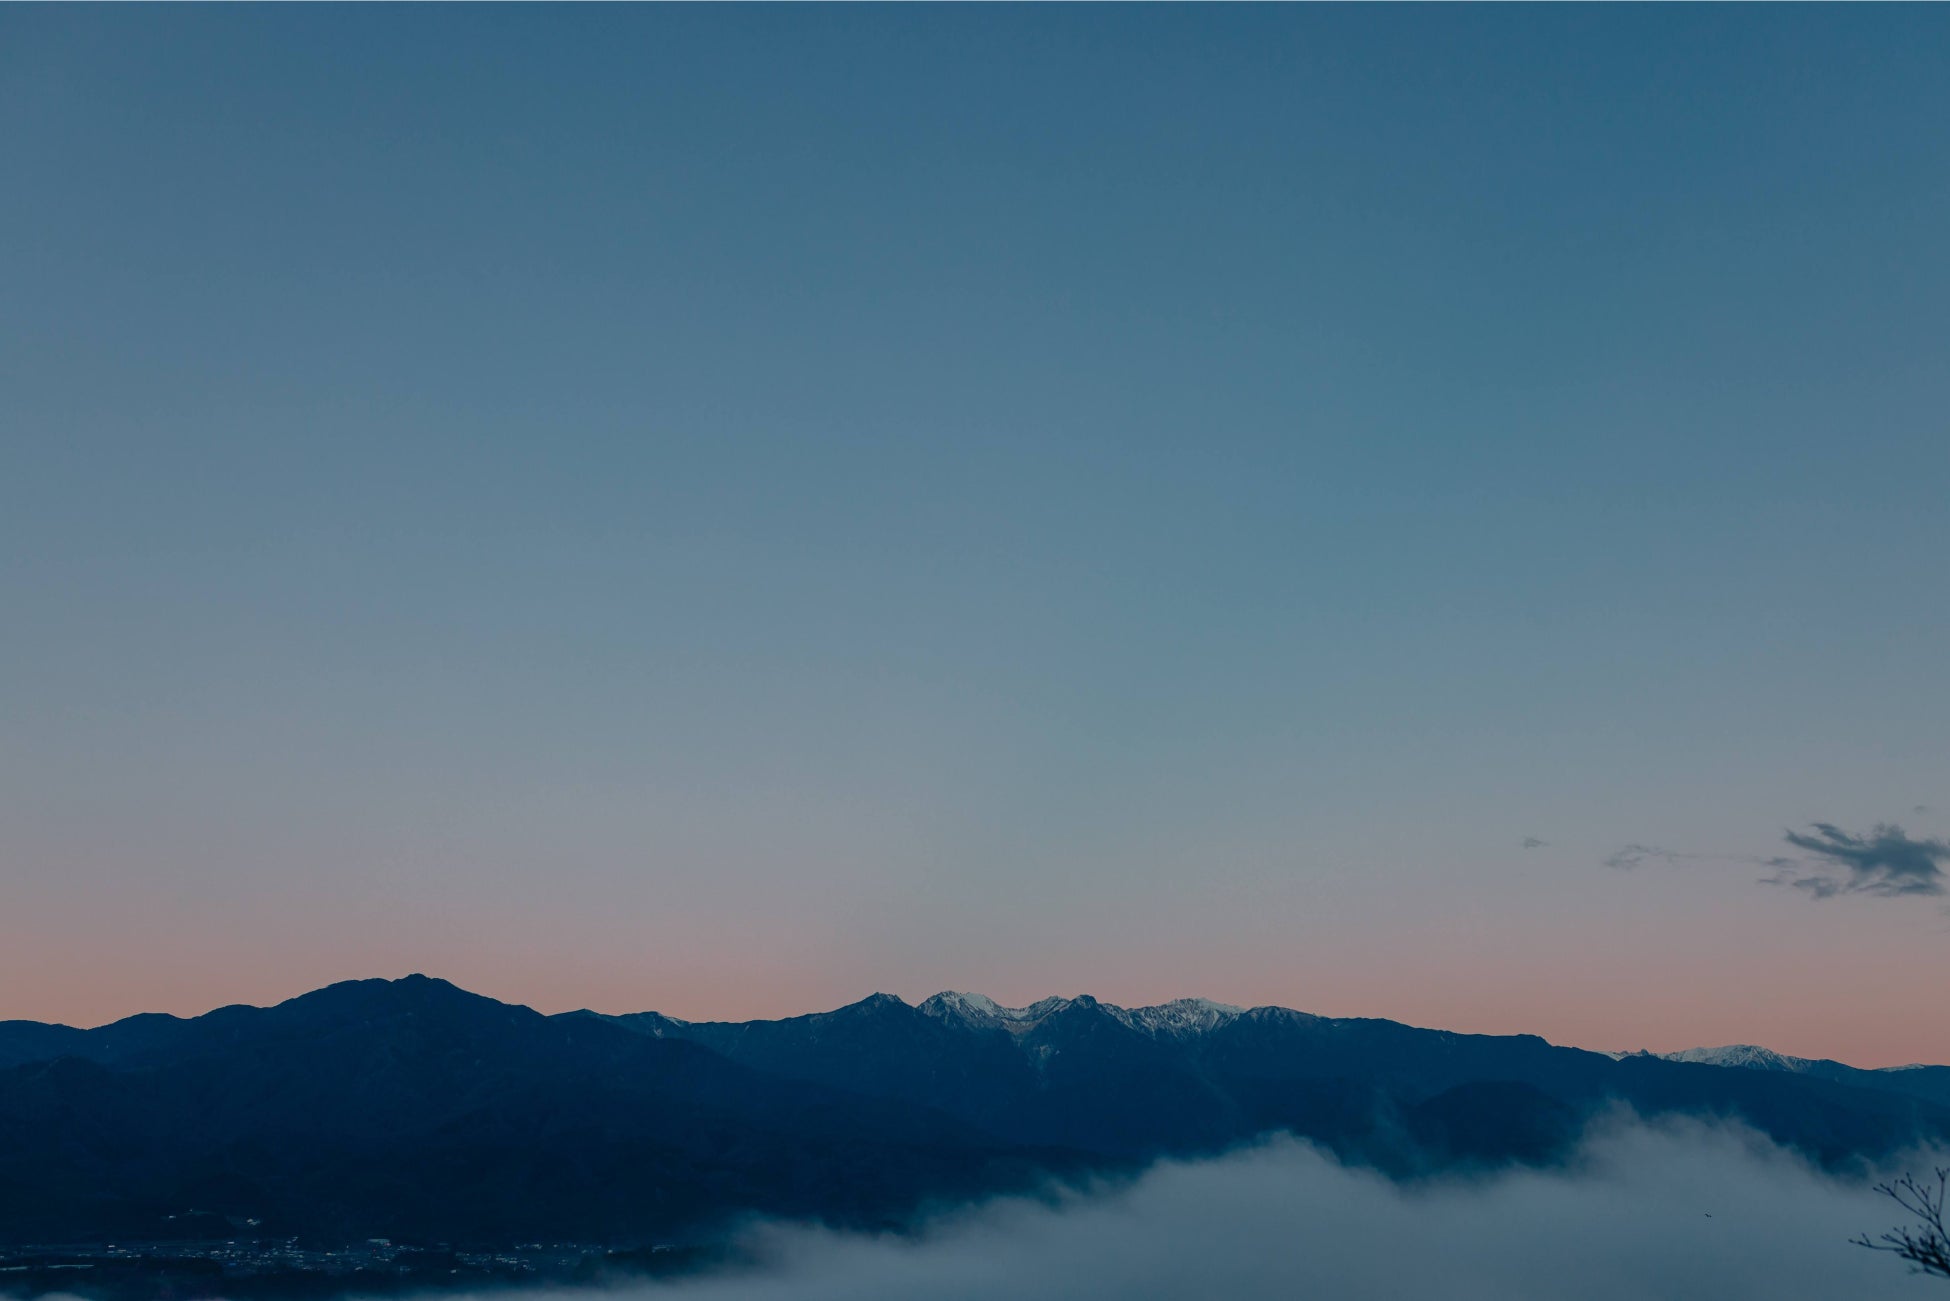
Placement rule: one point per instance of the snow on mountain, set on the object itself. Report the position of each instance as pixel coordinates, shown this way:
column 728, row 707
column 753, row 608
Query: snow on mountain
column 983, row 1012
column 1929, row 1082
column 654, row 1024
column 1178, row 1018
column 1751, row 1056
column 1181, row 1016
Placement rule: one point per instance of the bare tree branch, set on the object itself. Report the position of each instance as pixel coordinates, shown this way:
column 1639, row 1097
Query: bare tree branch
column 1925, row 1244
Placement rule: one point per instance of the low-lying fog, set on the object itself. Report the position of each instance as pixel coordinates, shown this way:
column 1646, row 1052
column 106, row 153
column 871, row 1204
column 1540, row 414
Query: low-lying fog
column 1663, row 1212
column 1647, row 1212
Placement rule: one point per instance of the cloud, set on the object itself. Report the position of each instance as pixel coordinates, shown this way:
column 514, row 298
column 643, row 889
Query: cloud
column 1668, row 1212
column 1633, row 855
column 1887, row 861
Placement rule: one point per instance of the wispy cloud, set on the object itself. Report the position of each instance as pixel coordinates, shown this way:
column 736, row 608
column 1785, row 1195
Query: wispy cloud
column 1635, row 855
column 1887, row 861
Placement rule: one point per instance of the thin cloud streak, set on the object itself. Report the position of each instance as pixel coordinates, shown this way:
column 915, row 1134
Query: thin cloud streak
column 1636, row 855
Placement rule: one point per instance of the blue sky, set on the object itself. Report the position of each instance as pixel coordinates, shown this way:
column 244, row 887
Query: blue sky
column 727, row 509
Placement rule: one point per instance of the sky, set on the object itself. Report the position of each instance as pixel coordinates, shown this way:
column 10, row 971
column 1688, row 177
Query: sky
column 1392, row 512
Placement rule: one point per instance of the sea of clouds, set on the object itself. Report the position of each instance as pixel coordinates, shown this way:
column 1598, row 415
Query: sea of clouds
column 1672, row 1211
column 1647, row 1212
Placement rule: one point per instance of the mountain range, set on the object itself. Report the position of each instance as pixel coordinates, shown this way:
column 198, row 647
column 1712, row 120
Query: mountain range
column 1932, row 1082
column 414, row 1110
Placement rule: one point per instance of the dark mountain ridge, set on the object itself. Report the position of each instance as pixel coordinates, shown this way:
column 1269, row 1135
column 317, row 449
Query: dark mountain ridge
column 414, row 1110
column 1195, row 1076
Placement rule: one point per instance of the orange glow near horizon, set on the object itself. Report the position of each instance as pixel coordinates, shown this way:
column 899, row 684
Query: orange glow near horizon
column 1585, row 987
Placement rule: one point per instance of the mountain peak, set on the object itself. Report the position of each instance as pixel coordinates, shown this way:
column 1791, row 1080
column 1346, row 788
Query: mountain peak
column 1750, row 1056
column 1181, row 1016
column 950, row 1002
column 362, row 1000
column 983, row 1012
column 414, row 987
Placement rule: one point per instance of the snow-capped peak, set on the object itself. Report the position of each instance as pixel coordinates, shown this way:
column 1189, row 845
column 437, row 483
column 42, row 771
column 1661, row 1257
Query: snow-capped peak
column 1751, row 1056
column 952, row 1002
column 1181, row 1016
column 981, row 1010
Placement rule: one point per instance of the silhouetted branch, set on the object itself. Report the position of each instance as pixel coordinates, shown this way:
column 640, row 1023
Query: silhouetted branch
column 1926, row 1243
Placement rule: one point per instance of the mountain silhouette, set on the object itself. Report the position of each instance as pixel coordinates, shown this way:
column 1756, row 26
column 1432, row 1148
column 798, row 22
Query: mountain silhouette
column 414, row 1110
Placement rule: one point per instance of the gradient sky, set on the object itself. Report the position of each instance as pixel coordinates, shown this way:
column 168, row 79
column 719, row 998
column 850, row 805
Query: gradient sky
column 726, row 510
